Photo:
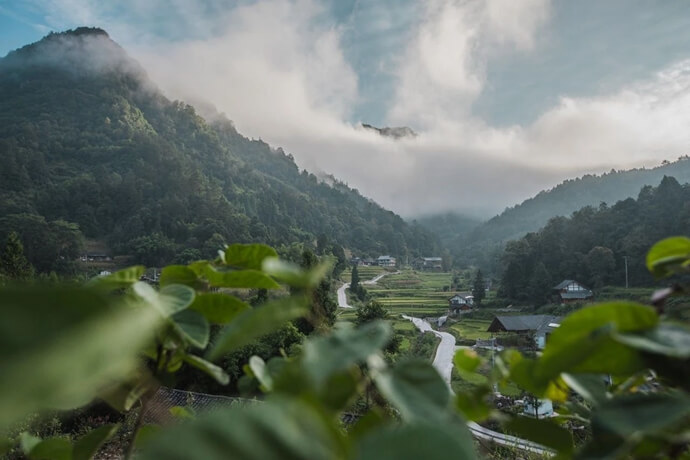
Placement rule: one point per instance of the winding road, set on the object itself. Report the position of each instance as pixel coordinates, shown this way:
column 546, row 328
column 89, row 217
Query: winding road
column 342, row 295
column 443, row 362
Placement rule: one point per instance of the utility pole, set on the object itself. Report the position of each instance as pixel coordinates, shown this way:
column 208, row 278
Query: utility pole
column 626, row 271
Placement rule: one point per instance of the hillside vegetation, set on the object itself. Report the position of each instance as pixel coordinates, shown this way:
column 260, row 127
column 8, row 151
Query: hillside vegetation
column 90, row 146
column 591, row 246
column 473, row 243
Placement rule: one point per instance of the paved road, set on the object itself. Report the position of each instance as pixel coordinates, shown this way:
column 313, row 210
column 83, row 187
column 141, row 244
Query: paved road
column 342, row 296
column 443, row 362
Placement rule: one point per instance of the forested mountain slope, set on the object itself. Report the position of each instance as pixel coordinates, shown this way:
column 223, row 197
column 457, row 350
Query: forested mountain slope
column 591, row 245
column 484, row 243
column 87, row 139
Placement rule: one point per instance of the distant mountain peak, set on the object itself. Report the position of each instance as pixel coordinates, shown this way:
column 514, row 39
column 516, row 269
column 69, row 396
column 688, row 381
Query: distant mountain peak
column 394, row 132
column 80, row 51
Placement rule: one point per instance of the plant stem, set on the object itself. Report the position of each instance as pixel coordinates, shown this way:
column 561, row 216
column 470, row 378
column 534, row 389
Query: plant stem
column 140, row 417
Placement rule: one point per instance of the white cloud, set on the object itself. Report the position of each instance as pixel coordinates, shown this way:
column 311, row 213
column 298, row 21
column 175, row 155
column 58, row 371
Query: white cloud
column 277, row 68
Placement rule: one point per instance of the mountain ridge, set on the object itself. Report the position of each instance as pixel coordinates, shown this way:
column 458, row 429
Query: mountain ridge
column 87, row 138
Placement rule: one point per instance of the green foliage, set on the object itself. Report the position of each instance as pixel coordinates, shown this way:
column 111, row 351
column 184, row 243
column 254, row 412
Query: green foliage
column 13, row 263
column 475, row 243
column 592, row 245
column 619, row 368
column 371, row 311
column 478, row 288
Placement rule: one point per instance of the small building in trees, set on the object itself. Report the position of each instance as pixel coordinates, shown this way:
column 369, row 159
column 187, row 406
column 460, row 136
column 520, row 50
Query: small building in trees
column 428, row 263
column 459, row 303
column 539, row 327
column 569, row 291
column 355, row 261
column 385, row 261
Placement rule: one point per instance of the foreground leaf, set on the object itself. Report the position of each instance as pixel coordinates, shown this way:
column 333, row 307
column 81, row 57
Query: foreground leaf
column 46, row 363
column 218, row 308
column 342, row 348
column 642, row 413
column 193, row 327
column 211, row 369
column 249, row 279
column 87, row 446
column 542, row 432
column 120, row 279
column 257, row 322
column 583, row 342
column 418, row 441
column 277, row 429
column 51, row 449
column 416, row 389
column 668, row 255
column 249, row 256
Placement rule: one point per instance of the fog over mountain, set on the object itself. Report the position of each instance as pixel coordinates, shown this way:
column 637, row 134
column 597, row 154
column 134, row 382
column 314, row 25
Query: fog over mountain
column 507, row 98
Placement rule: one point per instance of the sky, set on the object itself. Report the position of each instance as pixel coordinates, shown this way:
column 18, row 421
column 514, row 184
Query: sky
column 507, row 97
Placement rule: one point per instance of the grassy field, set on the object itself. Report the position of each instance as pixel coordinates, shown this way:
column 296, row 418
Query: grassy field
column 472, row 328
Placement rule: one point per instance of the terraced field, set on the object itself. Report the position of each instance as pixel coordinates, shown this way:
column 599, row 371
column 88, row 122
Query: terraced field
column 414, row 293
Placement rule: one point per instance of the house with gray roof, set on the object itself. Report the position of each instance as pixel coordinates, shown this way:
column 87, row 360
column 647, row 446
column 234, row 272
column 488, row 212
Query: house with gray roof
column 569, row 291
column 537, row 326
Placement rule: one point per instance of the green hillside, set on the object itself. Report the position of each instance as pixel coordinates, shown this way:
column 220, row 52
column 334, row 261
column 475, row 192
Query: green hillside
column 482, row 244
column 88, row 143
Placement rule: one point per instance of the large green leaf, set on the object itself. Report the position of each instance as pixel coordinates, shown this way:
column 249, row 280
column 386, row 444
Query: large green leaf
column 666, row 339
column 544, row 432
column 260, row 371
column 642, row 413
column 249, row 256
column 52, row 449
column 250, row 279
column 61, row 346
column 342, row 348
column 583, row 343
column 179, row 274
column 218, row 308
column 278, row 429
column 418, row 441
column 666, row 256
column 592, row 387
column 169, row 300
column 211, row 369
column 472, row 403
column 193, row 327
column 120, row 279
column 416, row 389
column 256, row 322
column 87, row 446
column 293, row 274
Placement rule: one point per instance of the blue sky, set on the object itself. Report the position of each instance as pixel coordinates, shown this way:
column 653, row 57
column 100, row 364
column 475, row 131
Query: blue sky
column 541, row 89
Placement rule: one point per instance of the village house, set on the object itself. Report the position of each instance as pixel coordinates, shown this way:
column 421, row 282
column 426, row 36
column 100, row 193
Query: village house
column 539, row 327
column 355, row 261
column 385, row 261
column 570, row 291
column 428, row 263
column 459, row 303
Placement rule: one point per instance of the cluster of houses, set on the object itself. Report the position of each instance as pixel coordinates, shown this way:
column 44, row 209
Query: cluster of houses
column 380, row 261
column 95, row 257
column 420, row 263
column 537, row 326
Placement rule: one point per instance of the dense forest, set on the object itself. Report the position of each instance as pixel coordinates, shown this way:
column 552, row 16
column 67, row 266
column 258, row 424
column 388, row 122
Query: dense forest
column 481, row 244
column 91, row 149
column 591, row 245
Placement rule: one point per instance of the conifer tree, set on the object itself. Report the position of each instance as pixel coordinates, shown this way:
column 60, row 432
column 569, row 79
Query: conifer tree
column 13, row 262
column 478, row 288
